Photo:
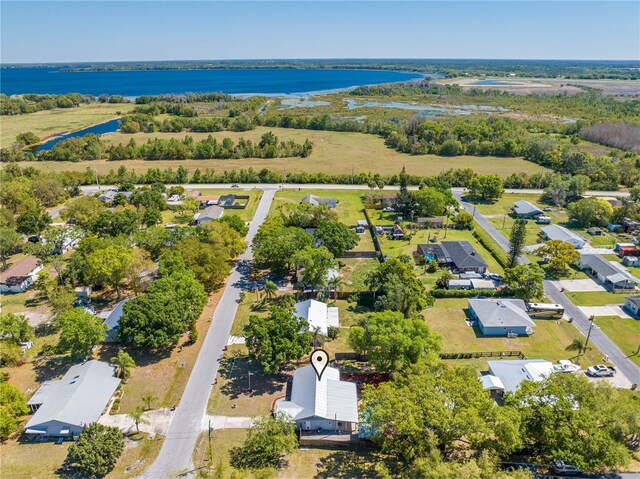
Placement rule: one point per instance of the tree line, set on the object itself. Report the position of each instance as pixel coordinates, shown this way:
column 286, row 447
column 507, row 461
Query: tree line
column 91, row 147
column 30, row 103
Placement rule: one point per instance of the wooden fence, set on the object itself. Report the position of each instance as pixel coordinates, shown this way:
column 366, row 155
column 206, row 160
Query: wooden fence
column 484, row 354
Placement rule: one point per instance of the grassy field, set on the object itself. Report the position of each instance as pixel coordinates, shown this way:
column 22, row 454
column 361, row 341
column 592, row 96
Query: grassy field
column 498, row 214
column 32, row 461
column 333, row 153
column 49, row 123
column 625, row 332
column 304, row 463
column 245, row 214
column 595, row 298
column 550, row 340
column 349, row 207
column 230, row 395
column 397, row 247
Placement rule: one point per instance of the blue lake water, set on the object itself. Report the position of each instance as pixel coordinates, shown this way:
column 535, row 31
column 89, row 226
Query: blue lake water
column 493, row 82
column 156, row 82
column 106, row 127
column 426, row 110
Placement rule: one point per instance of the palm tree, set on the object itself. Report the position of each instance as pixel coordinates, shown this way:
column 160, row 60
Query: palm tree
column 136, row 416
column 124, row 363
column 336, row 283
column 269, row 289
column 147, row 399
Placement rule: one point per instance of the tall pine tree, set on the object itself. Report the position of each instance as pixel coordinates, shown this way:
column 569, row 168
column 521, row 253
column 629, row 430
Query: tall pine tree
column 517, row 241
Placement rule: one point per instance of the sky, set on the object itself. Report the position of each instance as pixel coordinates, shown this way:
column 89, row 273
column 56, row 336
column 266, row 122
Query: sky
column 53, row 31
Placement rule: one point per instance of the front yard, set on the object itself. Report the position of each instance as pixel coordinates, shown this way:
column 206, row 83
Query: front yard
column 625, row 332
column 349, row 207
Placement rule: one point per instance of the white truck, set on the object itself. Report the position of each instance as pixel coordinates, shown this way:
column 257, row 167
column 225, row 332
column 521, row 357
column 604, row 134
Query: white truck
column 601, row 371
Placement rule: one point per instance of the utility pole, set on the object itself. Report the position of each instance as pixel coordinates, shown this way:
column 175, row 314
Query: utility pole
column 250, row 374
column 592, row 318
column 210, row 429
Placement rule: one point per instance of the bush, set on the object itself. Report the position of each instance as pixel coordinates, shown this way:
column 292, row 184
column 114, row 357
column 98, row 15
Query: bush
column 466, row 293
column 333, row 332
column 488, row 242
column 97, row 450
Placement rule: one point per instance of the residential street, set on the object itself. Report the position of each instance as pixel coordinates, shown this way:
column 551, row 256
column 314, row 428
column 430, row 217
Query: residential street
column 603, row 343
column 176, row 454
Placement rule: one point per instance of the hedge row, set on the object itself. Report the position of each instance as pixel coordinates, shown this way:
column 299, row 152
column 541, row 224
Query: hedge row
column 467, row 293
column 494, row 248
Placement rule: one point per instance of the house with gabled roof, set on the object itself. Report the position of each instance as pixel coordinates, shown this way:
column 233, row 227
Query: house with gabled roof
column 18, row 277
column 508, row 375
column 501, row 317
column 319, row 315
column 526, row 210
column 326, row 404
column 611, row 274
column 557, row 232
column 210, row 213
column 318, row 200
column 63, row 407
column 459, row 256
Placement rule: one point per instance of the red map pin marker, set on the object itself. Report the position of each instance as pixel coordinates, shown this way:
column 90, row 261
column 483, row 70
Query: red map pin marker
column 319, row 361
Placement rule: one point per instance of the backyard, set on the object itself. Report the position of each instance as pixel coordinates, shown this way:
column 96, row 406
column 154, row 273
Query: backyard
column 551, row 340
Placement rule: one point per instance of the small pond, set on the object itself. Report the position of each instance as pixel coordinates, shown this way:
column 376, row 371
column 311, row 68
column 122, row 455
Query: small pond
column 301, row 103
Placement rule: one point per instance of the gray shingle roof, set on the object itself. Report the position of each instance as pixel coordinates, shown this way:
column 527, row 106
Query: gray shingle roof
column 557, row 232
column 507, row 313
column 318, row 200
column 614, row 272
column 526, row 208
column 633, row 300
column 460, row 253
column 79, row 398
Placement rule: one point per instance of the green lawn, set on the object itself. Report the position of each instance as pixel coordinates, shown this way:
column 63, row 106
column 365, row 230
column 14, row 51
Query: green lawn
column 595, row 298
column 230, row 395
column 550, row 340
column 625, row 332
column 49, row 123
column 33, row 461
column 349, row 207
column 393, row 248
column 498, row 213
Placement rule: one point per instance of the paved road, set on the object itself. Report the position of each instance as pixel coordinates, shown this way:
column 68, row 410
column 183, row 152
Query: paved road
column 177, row 450
column 601, row 340
column 91, row 189
column 603, row 343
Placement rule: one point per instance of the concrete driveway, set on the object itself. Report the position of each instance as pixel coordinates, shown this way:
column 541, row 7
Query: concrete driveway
column 607, row 310
column 581, row 285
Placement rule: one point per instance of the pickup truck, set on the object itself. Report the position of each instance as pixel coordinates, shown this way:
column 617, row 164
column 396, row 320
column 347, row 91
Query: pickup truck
column 601, row 371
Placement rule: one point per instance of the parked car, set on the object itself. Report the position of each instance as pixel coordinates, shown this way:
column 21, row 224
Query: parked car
column 519, row 466
column 235, row 185
column 560, row 467
column 495, row 277
column 601, row 371
column 388, row 209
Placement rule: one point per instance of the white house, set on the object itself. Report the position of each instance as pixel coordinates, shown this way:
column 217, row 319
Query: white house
column 19, row 276
column 64, row 407
column 210, row 213
column 526, row 209
column 327, row 404
column 611, row 274
column 501, row 317
column 318, row 315
column 557, row 232
column 112, row 320
column 507, row 375
column 632, row 304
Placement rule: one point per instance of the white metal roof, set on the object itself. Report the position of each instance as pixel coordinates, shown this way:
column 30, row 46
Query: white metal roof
column 318, row 315
column 79, row 398
column 513, row 373
column 525, row 208
column 610, row 270
column 328, row 398
column 491, row 382
column 112, row 318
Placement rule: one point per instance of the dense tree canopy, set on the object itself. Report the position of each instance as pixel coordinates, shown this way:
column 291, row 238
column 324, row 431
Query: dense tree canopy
column 13, row 405
column 336, row 237
column 315, row 264
column 277, row 339
column 591, row 212
column 81, row 332
column 442, row 408
column 585, row 423
column 96, row 451
column 390, row 341
column 275, row 245
column 525, row 281
column 82, row 210
column 560, row 254
column 487, row 187
column 268, row 440
column 397, row 288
